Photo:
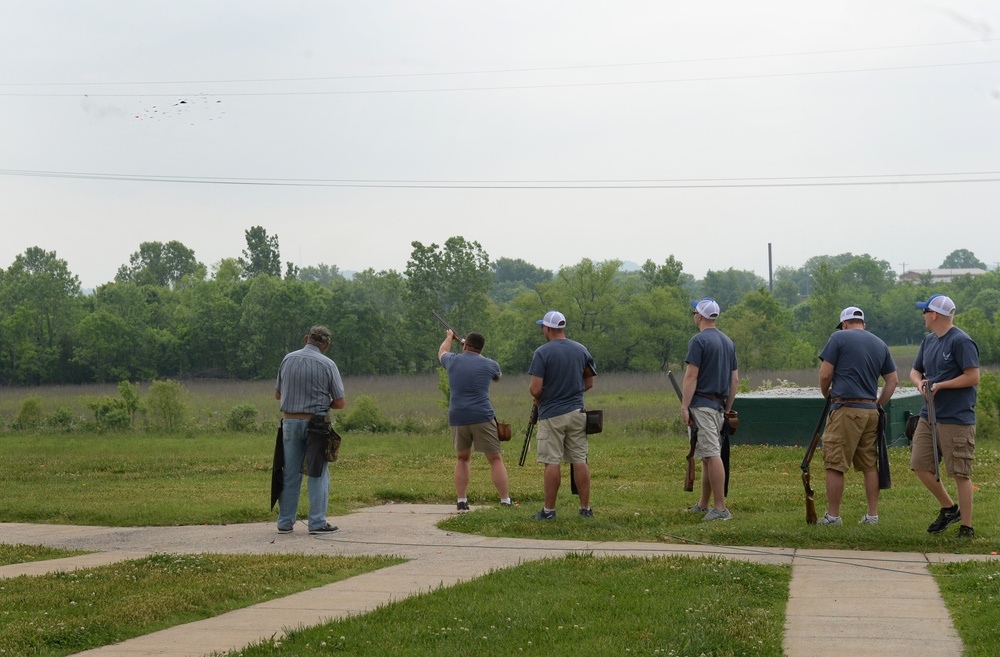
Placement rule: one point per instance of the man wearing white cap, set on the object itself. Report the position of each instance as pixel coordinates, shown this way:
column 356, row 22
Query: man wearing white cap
column 947, row 367
column 561, row 371
column 853, row 360
column 710, row 383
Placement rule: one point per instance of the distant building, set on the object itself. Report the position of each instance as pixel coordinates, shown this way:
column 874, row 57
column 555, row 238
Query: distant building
column 939, row 275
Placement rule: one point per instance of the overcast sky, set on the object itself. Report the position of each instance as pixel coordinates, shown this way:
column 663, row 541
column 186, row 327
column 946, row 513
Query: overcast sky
column 349, row 126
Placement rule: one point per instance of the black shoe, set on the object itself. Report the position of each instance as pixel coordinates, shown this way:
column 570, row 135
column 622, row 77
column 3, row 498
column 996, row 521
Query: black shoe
column 507, row 505
column 545, row 515
column 285, row 531
column 463, row 507
column 966, row 532
column 946, row 518
column 586, row 513
column 326, row 529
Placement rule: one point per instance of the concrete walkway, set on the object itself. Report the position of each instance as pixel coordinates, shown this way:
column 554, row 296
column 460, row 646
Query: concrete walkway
column 861, row 603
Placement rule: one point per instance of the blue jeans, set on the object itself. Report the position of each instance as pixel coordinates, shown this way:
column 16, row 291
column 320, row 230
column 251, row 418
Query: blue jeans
column 318, row 488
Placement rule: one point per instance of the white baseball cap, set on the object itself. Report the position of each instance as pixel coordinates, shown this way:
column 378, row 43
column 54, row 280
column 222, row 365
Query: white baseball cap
column 939, row 304
column 553, row 319
column 707, row 308
column 851, row 312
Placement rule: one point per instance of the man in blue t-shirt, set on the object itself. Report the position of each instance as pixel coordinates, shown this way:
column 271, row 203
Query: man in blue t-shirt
column 947, row 368
column 853, row 360
column 710, row 382
column 470, row 414
column 561, row 371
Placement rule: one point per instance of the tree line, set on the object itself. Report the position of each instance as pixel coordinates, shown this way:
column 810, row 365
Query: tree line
column 166, row 316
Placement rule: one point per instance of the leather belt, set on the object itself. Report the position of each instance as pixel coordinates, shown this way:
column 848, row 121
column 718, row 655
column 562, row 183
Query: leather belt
column 715, row 398
column 298, row 416
column 844, row 400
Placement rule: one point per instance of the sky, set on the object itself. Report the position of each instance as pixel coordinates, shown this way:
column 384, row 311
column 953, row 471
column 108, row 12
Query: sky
column 546, row 131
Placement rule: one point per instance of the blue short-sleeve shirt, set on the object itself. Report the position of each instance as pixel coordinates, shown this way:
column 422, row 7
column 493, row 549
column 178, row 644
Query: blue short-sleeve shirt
column 469, row 378
column 943, row 359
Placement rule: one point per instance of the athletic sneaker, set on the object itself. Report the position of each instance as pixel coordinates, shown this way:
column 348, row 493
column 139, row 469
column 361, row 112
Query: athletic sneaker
column 586, row 513
column 714, row 514
column 964, row 531
column 463, row 507
column 507, row 505
column 545, row 515
column 945, row 519
column 868, row 520
column 325, row 529
column 827, row 519
column 696, row 509
column 282, row 530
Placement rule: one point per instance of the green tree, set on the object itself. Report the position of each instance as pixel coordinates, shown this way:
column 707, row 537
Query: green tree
column 165, row 265
column 825, row 304
column 104, row 346
column 454, row 280
column 512, row 277
column 761, row 330
column 962, row 259
column 321, row 273
column 40, row 304
column 729, row 286
column 666, row 275
column 262, row 255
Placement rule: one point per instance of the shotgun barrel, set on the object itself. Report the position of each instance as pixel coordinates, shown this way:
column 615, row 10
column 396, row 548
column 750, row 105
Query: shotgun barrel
column 532, row 420
column 932, row 420
column 447, row 326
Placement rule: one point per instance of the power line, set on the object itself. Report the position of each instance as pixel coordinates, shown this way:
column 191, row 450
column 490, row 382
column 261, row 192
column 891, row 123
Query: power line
column 504, row 70
column 567, row 85
column 689, row 183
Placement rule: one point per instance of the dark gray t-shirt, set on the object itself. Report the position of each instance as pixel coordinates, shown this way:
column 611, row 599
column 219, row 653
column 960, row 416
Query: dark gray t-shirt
column 469, row 377
column 859, row 358
column 714, row 354
column 943, row 359
column 561, row 364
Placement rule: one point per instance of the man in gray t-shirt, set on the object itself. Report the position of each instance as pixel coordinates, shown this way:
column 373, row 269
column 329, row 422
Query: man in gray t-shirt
column 561, row 371
column 853, row 360
column 470, row 414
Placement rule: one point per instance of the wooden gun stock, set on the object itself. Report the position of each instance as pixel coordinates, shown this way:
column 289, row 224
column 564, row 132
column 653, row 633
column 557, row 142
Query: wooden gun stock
column 532, row 420
column 810, row 503
column 447, row 326
column 692, row 434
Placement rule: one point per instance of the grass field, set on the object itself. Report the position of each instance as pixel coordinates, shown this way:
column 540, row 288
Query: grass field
column 204, row 475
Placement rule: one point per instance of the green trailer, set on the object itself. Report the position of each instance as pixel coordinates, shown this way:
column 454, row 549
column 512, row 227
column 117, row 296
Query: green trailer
column 788, row 416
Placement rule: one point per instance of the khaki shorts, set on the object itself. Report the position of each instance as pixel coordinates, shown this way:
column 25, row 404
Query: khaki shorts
column 956, row 443
column 849, row 438
column 709, row 423
column 563, row 439
column 482, row 435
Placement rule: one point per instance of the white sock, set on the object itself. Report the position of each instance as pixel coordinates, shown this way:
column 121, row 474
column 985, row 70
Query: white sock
column 505, row 500
column 463, row 499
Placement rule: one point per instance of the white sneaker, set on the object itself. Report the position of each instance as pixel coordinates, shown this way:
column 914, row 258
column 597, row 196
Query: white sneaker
column 696, row 509
column 713, row 514
column 868, row 520
column 827, row 519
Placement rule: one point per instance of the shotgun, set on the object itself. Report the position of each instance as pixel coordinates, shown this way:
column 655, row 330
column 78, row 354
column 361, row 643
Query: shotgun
column 532, row 419
column 447, row 326
column 884, row 476
column 810, row 504
column 693, row 433
column 932, row 420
